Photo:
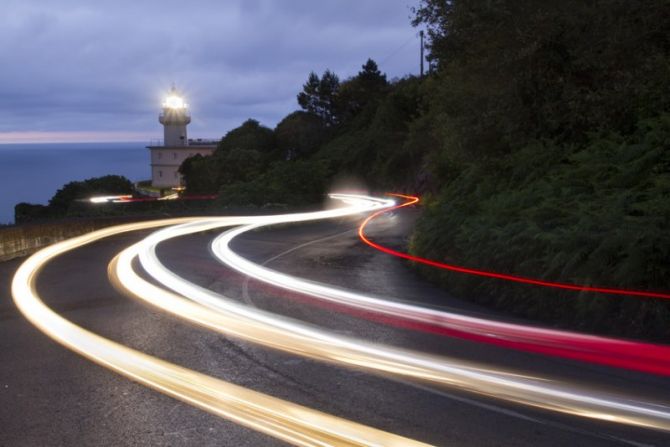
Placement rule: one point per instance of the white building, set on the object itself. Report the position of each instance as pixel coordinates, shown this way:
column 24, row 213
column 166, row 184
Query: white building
column 176, row 147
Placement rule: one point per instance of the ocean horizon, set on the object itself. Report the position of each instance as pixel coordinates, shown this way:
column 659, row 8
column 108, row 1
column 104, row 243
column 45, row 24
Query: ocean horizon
column 33, row 172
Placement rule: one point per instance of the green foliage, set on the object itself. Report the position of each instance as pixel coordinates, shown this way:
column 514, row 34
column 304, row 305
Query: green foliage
column 319, row 96
column 540, row 139
column 241, row 155
column 200, row 174
column 238, row 165
column 299, row 135
column 71, row 196
column 509, row 72
column 107, row 185
column 546, row 128
column 29, row 212
column 371, row 144
column 291, row 182
column 361, row 91
column 251, row 135
column 293, row 163
column 309, row 97
column 594, row 214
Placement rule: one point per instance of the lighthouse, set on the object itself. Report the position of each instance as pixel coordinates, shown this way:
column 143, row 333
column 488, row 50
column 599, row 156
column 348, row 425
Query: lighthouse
column 174, row 117
column 166, row 158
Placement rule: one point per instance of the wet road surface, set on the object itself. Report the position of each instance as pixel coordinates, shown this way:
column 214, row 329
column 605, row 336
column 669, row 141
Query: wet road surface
column 51, row 396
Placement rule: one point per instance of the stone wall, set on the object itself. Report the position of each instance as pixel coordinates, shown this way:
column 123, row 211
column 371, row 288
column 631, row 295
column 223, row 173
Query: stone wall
column 22, row 240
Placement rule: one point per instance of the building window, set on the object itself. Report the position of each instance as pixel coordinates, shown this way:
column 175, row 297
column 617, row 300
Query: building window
column 160, row 155
column 175, row 174
column 174, row 155
column 160, row 173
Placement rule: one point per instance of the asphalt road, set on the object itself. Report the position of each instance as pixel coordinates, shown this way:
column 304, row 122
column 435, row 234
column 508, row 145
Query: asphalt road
column 51, row 396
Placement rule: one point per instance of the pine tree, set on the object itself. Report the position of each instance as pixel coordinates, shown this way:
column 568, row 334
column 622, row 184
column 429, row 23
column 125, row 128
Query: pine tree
column 318, row 96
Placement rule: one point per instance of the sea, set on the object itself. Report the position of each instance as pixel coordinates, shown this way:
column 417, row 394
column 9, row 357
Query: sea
column 34, row 172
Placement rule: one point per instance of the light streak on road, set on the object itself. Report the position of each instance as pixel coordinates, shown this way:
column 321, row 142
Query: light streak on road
column 645, row 357
column 251, row 324
column 278, row 418
column 173, row 196
column 284, row 420
column 129, row 198
column 495, row 275
column 108, row 199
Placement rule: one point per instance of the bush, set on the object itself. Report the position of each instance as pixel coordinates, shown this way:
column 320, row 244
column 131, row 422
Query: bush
column 73, row 191
column 29, row 212
column 291, row 182
column 596, row 214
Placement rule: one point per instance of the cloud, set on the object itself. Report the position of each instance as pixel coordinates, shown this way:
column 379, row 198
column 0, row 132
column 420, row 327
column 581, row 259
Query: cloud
column 80, row 67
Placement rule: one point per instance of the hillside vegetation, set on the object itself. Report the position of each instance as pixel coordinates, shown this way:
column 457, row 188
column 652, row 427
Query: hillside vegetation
column 540, row 142
column 554, row 155
column 73, row 197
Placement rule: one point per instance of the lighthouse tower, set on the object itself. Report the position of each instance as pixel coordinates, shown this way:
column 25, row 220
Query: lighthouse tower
column 174, row 117
column 177, row 147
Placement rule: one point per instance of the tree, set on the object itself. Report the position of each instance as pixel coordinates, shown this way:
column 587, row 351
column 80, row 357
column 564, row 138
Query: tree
column 251, row 135
column 328, row 89
column 370, row 77
column 319, row 96
column 299, row 134
column 308, row 99
column 28, row 212
column 512, row 71
column 435, row 15
column 241, row 154
column 106, row 185
column 200, row 174
column 238, row 165
column 368, row 86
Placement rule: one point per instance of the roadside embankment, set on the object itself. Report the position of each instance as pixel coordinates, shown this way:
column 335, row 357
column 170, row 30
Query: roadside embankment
column 26, row 238
column 594, row 215
column 22, row 240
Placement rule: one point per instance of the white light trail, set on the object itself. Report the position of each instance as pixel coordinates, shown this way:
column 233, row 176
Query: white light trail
column 284, row 420
column 605, row 350
column 254, row 325
column 106, row 199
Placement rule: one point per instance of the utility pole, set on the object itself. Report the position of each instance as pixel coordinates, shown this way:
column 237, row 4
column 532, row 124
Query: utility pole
column 421, row 35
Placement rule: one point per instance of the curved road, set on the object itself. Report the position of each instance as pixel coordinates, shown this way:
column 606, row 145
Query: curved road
column 51, row 396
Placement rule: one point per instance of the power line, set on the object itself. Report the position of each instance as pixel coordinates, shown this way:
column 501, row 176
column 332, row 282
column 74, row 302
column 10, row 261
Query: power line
column 394, row 52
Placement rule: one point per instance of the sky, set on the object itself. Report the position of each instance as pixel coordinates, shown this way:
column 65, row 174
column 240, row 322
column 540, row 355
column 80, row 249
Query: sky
column 82, row 70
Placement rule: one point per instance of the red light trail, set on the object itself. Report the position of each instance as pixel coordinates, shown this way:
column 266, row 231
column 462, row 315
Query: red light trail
column 411, row 200
column 638, row 356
